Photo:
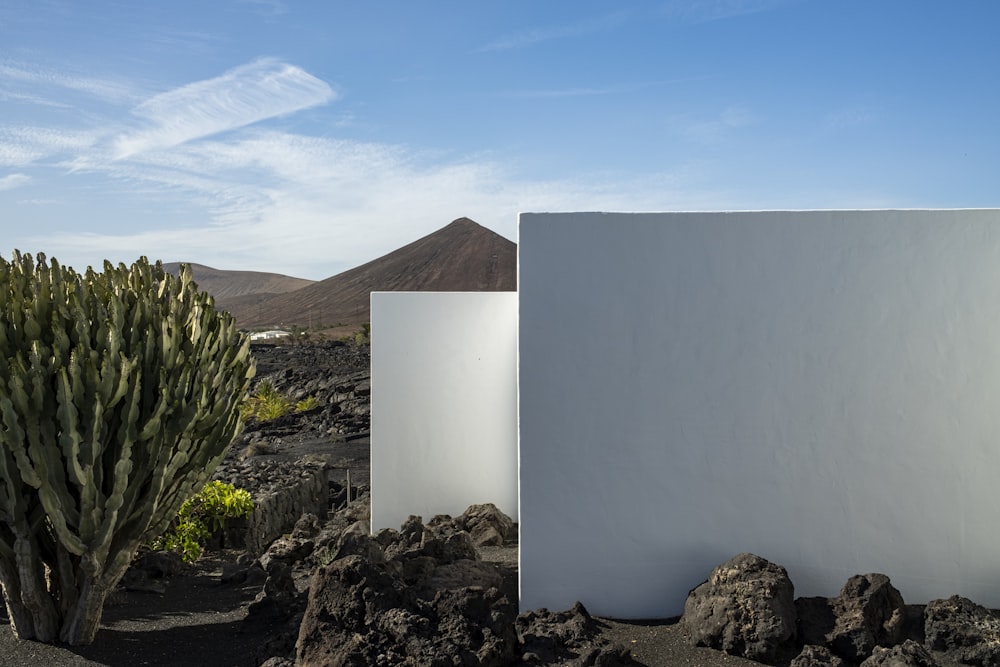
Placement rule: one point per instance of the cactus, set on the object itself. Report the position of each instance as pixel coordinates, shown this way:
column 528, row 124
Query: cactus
column 119, row 394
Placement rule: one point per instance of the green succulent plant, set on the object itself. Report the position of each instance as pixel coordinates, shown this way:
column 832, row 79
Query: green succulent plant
column 267, row 403
column 201, row 515
column 119, row 394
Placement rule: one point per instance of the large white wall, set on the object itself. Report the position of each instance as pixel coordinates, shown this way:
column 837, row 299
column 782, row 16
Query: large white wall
column 444, row 403
column 819, row 388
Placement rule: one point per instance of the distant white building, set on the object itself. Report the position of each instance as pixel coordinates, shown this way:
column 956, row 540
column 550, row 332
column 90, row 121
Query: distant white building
column 274, row 334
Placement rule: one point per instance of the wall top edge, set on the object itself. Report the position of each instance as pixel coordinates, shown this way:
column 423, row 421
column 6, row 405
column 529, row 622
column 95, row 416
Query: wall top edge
column 762, row 210
column 429, row 293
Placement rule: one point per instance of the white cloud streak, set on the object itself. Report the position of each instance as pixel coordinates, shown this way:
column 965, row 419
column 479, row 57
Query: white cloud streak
column 618, row 89
column 22, row 145
column 853, row 117
column 12, row 181
column 703, row 11
column 268, row 8
column 210, row 185
column 106, row 89
column 531, row 36
column 329, row 204
column 188, row 41
column 28, row 98
column 242, row 96
column 564, row 92
column 716, row 129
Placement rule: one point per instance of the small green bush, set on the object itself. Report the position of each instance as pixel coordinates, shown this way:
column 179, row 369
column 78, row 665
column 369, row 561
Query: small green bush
column 267, row 403
column 306, row 404
column 202, row 515
column 365, row 335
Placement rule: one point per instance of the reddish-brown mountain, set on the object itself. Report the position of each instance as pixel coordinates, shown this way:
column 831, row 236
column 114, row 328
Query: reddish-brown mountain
column 230, row 284
column 461, row 257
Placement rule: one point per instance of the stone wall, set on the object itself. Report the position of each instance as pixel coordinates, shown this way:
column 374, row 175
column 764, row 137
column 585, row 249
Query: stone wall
column 282, row 492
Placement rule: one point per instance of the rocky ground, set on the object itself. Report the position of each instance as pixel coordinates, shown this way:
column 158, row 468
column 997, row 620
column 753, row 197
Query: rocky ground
column 303, row 583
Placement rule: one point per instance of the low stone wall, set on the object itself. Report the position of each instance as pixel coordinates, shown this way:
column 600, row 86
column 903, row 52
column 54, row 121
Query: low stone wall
column 282, row 492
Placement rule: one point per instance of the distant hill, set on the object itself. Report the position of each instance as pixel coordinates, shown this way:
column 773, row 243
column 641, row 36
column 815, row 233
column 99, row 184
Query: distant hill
column 232, row 284
column 461, row 257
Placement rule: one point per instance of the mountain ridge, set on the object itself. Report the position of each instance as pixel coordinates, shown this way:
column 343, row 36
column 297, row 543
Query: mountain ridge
column 461, row 256
column 223, row 284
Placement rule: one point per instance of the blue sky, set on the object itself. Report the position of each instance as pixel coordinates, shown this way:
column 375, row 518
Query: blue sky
column 309, row 137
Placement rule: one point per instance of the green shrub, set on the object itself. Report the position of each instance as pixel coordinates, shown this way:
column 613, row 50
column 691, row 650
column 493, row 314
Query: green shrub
column 306, row 404
column 365, row 335
column 203, row 514
column 267, row 403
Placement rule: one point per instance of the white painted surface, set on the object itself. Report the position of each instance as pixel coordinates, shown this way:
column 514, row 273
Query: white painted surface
column 444, row 403
column 819, row 388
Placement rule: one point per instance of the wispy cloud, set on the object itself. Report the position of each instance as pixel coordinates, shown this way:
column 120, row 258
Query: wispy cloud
column 106, row 89
column 176, row 41
column 328, row 204
column 212, row 186
column 28, row 98
column 266, row 7
column 851, row 117
column 250, row 93
column 715, row 129
column 536, row 35
column 563, row 92
column 701, row 11
column 12, row 181
column 22, row 145
column 618, row 89
column 17, row 154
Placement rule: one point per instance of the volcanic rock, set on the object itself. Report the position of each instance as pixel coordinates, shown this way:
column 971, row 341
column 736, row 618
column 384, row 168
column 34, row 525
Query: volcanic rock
column 907, row 654
column 567, row 638
column 816, row 656
column 359, row 614
column 869, row 612
column 745, row 608
column 486, row 524
column 964, row 630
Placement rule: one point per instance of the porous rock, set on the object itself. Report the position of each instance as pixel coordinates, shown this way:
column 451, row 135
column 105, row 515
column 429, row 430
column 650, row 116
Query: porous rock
column 745, row 608
column 447, row 543
column 278, row 598
column 307, row 527
column 486, row 525
column 408, row 538
column 359, row 613
column 907, row 654
column 275, row 661
column 570, row 638
column 967, row 632
column 817, row 619
column 869, row 612
column 463, row 574
column 816, row 656
column 288, row 549
column 274, row 616
column 356, row 541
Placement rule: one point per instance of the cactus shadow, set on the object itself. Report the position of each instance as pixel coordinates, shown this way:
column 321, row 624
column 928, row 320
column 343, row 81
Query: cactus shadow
column 196, row 621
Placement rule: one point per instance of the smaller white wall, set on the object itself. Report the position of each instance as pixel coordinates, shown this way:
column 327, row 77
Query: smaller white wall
column 444, row 403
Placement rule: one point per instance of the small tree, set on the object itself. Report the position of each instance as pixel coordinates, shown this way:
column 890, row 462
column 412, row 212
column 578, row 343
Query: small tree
column 119, row 394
